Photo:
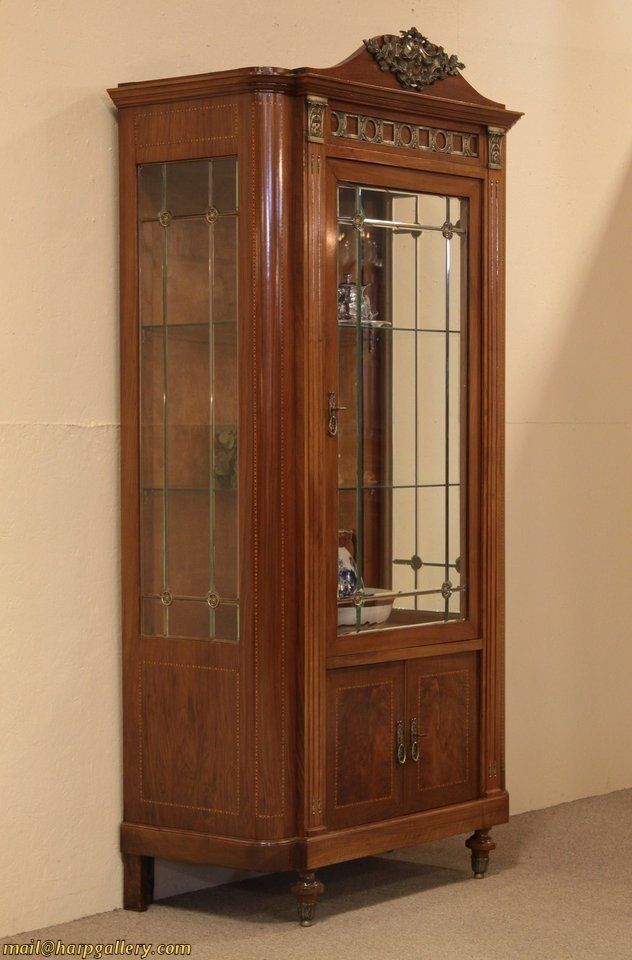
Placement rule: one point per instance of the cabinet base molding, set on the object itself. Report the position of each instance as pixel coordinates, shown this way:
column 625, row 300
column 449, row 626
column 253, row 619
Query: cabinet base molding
column 382, row 836
column 309, row 853
column 189, row 846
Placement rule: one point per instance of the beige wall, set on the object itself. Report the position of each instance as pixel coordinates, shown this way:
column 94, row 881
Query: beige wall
column 565, row 63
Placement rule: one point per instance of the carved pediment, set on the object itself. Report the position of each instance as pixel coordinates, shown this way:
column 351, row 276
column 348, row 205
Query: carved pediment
column 416, row 62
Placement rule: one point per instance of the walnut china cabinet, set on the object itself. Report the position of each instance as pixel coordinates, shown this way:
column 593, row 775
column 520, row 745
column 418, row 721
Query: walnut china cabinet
column 312, row 307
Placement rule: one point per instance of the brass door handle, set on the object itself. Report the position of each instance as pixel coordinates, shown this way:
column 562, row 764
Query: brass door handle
column 415, row 737
column 332, row 421
column 401, row 746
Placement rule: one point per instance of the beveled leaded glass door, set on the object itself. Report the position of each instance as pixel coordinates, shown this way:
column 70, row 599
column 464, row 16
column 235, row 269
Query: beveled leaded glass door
column 189, row 406
column 400, row 412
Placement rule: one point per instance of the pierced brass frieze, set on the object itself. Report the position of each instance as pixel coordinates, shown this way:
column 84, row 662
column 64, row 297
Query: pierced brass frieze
column 415, row 61
column 410, row 136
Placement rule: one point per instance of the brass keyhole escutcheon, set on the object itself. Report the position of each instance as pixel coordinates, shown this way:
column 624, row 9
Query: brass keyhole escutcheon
column 332, row 422
column 415, row 737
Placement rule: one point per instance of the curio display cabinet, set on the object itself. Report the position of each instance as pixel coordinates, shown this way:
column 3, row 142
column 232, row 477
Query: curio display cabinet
column 312, row 311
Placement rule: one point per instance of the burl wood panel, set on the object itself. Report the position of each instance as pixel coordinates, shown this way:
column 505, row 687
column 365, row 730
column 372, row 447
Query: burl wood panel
column 364, row 781
column 442, row 693
column 190, row 744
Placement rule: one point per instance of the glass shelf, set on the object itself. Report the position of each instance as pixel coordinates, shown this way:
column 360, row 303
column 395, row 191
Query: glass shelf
column 200, row 215
column 174, row 596
column 185, row 326
column 161, row 490
column 405, row 228
column 395, row 486
column 386, row 328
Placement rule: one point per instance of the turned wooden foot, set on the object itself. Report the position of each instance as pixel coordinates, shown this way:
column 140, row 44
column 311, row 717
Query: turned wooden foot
column 307, row 890
column 481, row 845
column 138, row 882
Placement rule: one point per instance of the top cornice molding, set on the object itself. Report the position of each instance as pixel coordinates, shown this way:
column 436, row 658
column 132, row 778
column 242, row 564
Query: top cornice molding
column 222, row 82
column 359, row 81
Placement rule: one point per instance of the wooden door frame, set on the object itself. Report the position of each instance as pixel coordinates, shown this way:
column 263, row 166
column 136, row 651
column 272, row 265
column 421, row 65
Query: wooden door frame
column 402, row 177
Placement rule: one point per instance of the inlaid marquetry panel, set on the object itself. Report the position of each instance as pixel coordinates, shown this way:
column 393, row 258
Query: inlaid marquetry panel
column 364, row 705
column 189, row 746
column 443, row 698
column 186, row 129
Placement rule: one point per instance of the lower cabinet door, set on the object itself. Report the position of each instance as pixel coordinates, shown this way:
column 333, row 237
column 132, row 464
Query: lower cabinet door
column 442, row 706
column 365, row 718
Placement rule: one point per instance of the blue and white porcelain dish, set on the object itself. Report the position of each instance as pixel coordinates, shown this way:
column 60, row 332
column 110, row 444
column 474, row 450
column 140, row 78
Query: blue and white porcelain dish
column 376, row 608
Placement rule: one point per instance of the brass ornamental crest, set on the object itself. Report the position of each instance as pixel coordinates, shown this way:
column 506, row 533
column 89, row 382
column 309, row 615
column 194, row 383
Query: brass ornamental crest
column 415, row 61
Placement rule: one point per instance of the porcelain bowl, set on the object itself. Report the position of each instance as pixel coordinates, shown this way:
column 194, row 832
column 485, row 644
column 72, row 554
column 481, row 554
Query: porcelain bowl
column 376, row 608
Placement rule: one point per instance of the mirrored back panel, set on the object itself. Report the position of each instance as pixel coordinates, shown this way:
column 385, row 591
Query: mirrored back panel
column 401, row 407
column 187, row 251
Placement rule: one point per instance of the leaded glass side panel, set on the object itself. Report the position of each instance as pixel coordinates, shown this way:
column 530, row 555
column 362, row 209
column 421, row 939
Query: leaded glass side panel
column 189, row 442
